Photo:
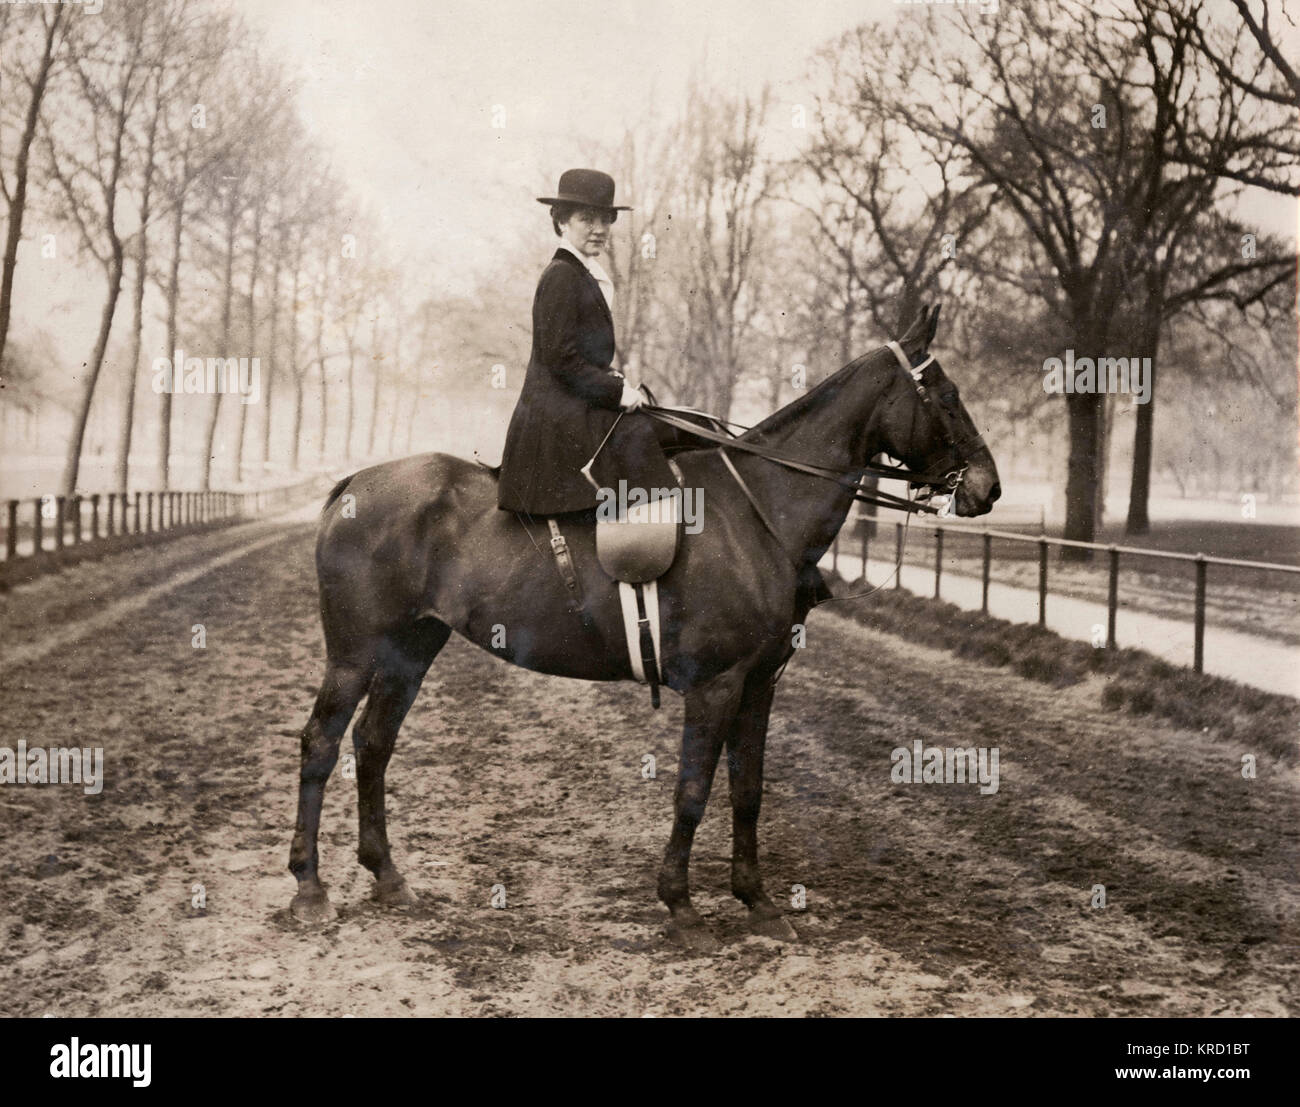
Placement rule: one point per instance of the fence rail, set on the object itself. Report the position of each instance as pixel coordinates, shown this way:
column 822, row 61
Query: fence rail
column 42, row 531
column 1044, row 543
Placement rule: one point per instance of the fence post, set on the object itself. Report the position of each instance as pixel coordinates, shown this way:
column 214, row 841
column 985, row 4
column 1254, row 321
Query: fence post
column 938, row 559
column 1042, row 582
column 984, row 577
column 1112, row 597
column 110, row 511
column 38, row 528
column 76, row 520
column 865, row 528
column 94, row 517
column 1198, row 655
column 11, row 531
column 59, row 509
column 898, row 555
column 137, row 513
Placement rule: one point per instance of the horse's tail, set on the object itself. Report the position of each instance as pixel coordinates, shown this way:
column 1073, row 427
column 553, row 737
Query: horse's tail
column 336, row 492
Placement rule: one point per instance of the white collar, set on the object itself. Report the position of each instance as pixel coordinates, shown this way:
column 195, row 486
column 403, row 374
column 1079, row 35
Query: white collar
column 592, row 265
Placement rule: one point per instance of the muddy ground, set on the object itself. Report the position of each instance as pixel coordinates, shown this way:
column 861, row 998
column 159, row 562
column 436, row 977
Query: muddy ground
column 921, row 899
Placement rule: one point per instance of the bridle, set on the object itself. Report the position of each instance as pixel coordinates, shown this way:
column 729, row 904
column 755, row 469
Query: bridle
column 961, row 445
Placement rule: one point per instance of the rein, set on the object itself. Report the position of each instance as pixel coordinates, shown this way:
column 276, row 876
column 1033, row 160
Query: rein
column 935, row 482
column 848, row 478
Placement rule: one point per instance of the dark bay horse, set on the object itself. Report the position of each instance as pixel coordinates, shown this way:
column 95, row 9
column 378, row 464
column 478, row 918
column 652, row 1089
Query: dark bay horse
column 412, row 550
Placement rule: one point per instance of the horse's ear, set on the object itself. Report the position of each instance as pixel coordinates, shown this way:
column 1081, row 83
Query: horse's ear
column 916, row 332
column 932, row 325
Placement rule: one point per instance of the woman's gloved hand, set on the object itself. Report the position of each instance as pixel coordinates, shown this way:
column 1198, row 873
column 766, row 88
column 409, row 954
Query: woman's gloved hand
column 632, row 398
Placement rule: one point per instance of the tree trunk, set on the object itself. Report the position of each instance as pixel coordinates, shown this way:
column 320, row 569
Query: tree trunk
column 232, row 221
column 320, row 355
column 297, row 422
column 252, row 336
column 324, row 412
column 1104, row 422
column 137, row 327
column 137, row 316
column 273, row 348
column 1139, row 496
column 397, row 376
column 410, row 412
column 173, row 305
column 352, row 399
column 73, row 466
column 18, row 204
column 297, row 372
column 1083, row 415
column 376, row 362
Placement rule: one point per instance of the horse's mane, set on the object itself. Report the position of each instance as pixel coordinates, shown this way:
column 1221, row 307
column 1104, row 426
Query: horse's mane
column 801, row 405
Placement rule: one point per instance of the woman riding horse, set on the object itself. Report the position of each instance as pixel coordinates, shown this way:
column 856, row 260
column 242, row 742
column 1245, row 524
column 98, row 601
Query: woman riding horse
column 572, row 396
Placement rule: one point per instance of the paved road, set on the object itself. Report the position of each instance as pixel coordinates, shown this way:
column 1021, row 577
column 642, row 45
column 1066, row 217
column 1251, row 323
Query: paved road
column 1252, row 660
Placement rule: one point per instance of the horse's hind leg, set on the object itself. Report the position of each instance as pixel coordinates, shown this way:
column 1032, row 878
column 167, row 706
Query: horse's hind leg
column 745, row 746
column 339, row 694
column 393, row 689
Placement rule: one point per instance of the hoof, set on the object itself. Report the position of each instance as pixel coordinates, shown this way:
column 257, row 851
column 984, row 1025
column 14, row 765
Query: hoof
column 312, row 908
column 768, row 924
column 394, row 893
column 692, row 935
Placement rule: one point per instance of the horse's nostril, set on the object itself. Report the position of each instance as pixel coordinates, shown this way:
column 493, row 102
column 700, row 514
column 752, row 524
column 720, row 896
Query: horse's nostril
column 995, row 491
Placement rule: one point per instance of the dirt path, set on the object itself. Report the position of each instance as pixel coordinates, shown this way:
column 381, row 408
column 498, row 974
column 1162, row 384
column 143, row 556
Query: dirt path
column 922, row 899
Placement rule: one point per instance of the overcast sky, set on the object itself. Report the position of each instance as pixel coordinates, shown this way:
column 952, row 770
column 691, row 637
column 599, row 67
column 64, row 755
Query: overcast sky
column 404, row 91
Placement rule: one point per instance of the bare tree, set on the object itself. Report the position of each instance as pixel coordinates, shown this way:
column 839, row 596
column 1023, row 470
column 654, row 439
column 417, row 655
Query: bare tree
column 1245, row 55
column 189, row 150
column 111, row 70
column 19, row 27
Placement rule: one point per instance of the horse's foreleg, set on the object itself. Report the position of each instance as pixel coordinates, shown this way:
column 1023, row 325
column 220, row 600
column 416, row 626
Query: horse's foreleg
column 392, row 691
column 709, row 714
column 339, row 694
column 745, row 744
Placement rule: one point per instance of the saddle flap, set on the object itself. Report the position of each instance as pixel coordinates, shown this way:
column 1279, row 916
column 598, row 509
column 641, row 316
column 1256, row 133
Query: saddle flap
column 640, row 545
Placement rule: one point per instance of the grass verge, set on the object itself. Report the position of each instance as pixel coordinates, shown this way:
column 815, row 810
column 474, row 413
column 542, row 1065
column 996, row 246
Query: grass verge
column 1136, row 682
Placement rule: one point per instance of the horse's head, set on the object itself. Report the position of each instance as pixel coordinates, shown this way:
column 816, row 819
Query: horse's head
column 925, row 426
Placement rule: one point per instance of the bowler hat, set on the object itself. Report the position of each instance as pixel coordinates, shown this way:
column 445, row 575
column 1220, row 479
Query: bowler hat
column 588, row 187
